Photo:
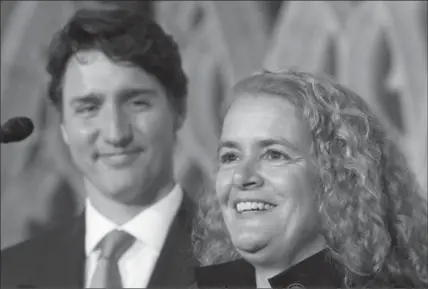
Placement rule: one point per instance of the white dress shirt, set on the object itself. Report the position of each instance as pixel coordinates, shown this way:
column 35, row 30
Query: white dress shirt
column 150, row 228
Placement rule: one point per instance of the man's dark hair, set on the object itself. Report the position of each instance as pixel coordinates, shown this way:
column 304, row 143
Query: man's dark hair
column 125, row 37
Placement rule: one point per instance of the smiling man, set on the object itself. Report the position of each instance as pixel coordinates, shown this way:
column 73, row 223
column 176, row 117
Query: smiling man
column 117, row 80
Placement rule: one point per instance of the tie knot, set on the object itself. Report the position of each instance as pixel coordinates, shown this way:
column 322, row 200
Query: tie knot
column 114, row 244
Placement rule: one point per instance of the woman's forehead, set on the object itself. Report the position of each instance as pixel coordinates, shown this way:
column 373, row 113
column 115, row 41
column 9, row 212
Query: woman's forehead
column 262, row 117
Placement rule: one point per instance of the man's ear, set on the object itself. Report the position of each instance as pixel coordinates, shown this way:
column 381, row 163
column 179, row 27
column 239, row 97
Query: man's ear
column 179, row 120
column 64, row 134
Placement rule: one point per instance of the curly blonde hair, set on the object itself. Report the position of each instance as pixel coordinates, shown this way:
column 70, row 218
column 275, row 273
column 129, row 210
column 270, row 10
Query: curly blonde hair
column 373, row 215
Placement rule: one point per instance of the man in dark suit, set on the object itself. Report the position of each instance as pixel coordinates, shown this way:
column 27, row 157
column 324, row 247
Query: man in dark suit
column 118, row 83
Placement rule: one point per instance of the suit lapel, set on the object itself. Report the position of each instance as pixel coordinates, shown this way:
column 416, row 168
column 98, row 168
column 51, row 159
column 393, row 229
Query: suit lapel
column 176, row 263
column 65, row 265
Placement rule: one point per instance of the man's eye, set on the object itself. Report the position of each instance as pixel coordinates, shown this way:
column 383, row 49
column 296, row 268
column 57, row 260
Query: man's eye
column 87, row 109
column 228, row 158
column 276, row 155
column 140, row 103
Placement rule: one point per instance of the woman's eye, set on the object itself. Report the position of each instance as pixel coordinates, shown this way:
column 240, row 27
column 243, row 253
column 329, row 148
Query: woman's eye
column 228, row 158
column 275, row 155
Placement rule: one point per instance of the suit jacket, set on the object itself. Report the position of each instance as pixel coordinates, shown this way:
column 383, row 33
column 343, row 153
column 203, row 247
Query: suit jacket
column 57, row 258
column 317, row 271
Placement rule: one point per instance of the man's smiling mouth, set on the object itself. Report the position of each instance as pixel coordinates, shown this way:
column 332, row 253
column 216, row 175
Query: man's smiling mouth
column 120, row 153
column 120, row 158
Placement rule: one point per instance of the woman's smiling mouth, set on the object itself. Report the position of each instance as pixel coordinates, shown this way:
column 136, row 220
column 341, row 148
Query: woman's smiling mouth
column 242, row 206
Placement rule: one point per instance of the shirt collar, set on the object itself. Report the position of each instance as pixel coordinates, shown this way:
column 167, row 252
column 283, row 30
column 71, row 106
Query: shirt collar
column 149, row 227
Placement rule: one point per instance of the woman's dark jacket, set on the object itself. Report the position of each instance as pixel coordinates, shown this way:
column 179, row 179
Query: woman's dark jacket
column 318, row 271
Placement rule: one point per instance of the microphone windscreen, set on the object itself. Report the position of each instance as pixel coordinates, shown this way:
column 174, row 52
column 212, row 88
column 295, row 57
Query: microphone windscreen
column 16, row 129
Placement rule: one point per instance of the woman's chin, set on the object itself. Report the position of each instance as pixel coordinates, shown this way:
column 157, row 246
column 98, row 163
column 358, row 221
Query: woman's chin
column 249, row 243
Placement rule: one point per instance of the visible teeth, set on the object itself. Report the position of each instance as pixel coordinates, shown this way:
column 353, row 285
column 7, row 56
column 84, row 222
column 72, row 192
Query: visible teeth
column 253, row 206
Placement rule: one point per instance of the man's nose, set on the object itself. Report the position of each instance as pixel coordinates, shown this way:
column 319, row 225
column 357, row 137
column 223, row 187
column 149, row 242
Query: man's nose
column 246, row 176
column 117, row 127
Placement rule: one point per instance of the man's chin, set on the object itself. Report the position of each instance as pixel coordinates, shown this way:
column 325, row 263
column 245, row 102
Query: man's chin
column 117, row 191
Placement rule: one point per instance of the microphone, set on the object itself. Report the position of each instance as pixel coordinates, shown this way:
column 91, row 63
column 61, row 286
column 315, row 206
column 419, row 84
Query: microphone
column 16, row 129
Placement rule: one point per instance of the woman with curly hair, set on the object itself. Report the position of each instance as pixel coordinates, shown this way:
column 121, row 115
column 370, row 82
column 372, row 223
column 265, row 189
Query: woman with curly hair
column 310, row 193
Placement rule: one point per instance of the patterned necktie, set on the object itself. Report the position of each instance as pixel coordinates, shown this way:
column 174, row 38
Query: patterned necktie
column 113, row 246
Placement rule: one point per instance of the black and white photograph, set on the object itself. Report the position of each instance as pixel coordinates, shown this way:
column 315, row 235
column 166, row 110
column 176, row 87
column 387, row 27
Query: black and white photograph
column 214, row 144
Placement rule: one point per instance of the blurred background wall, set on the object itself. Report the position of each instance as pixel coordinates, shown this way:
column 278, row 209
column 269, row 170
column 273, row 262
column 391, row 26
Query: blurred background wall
column 379, row 49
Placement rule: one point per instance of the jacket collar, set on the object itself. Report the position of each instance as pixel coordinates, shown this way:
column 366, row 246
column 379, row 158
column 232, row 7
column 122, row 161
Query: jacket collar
column 317, row 271
column 176, row 262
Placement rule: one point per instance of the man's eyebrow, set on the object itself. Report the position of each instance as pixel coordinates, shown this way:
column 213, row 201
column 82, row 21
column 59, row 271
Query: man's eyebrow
column 131, row 92
column 126, row 93
column 90, row 97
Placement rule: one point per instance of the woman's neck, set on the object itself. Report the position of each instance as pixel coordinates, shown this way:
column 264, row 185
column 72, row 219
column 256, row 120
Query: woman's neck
column 262, row 281
column 263, row 274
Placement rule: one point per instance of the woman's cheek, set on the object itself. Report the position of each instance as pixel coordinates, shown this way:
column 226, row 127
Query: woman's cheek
column 223, row 185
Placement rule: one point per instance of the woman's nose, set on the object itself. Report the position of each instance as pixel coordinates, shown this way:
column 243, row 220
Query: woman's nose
column 246, row 177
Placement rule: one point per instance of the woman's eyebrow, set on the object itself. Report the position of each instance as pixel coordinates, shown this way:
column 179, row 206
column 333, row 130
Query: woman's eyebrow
column 261, row 143
column 227, row 144
column 278, row 140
